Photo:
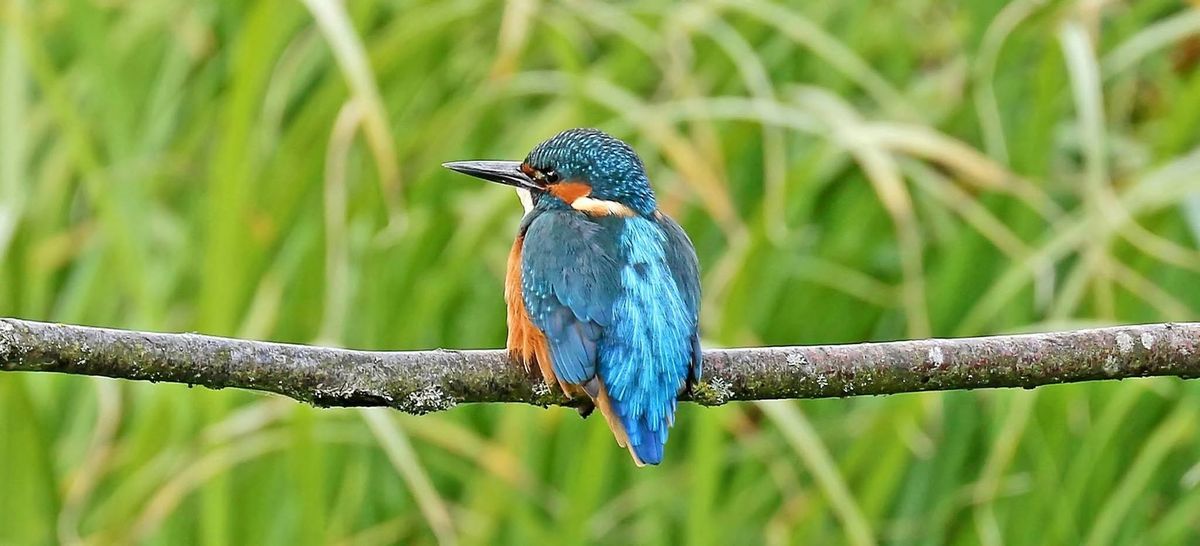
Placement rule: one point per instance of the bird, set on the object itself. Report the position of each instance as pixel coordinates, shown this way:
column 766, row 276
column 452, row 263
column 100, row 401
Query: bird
column 602, row 289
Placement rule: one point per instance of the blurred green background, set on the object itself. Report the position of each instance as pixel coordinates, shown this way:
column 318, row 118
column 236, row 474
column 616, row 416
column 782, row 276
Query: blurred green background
column 851, row 171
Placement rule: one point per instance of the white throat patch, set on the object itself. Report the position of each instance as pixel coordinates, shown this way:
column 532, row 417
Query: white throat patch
column 526, row 199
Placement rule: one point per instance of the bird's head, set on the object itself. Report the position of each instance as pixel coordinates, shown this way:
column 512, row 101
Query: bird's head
column 584, row 169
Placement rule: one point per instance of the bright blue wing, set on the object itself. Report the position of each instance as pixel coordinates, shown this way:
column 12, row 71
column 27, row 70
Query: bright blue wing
column 685, row 269
column 650, row 351
column 569, row 277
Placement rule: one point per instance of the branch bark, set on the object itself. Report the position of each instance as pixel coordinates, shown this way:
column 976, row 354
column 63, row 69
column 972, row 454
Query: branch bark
column 423, row 381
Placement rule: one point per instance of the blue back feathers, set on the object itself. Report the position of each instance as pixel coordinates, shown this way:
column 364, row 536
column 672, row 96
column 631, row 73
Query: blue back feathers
column 617, row 297
column 644, row 361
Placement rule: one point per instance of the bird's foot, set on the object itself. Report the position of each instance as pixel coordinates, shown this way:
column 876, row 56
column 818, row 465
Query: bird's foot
column 585, row 406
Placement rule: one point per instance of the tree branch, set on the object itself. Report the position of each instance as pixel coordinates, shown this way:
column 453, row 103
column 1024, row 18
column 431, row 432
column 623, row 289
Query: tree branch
column 423, row 381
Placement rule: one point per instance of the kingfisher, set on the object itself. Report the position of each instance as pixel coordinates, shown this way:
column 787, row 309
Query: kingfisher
column 602, row 289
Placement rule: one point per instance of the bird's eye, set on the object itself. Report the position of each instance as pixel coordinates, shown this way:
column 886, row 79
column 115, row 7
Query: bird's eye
column 547, row 176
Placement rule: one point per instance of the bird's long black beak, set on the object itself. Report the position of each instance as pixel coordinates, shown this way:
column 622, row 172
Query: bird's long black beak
column 501, row 172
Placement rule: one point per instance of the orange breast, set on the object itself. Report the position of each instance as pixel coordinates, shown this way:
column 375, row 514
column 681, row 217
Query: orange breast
column 526, row 343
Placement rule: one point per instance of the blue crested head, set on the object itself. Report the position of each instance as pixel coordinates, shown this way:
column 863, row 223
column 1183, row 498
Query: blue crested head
column 571, row 165
column 602, row 162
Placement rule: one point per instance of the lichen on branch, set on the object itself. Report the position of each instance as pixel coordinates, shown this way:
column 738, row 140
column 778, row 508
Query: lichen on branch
column 423, row 381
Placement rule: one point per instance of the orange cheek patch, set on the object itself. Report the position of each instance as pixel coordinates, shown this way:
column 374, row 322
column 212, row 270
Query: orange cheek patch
column 570, row 191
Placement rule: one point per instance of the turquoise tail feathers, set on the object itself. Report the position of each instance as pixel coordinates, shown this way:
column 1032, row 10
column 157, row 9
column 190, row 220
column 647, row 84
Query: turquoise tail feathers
column 648, row 444
column 647, row 433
